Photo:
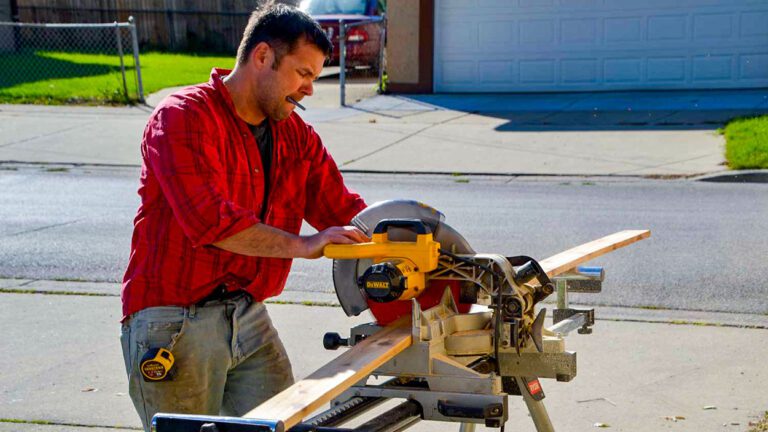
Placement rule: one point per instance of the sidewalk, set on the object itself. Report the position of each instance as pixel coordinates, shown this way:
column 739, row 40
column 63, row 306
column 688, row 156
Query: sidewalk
column 649, row 134
column 67, row 369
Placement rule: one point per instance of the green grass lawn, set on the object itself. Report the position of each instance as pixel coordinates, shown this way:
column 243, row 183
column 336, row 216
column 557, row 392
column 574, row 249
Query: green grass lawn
column 760, row 425
column 746, row 143
column 60, row 78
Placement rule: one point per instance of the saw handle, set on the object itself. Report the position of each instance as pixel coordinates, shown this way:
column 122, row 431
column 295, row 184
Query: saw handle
column 415, row 225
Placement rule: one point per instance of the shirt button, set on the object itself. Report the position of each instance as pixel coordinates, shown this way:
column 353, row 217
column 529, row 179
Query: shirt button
column 255, row 170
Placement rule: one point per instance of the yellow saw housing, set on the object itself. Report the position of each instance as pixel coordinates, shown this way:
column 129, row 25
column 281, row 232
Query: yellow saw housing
column 399, row 270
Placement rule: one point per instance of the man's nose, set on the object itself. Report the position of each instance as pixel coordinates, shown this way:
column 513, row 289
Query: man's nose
column 307, row 88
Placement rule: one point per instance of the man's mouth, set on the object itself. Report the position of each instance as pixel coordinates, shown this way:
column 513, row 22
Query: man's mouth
column 295, row 102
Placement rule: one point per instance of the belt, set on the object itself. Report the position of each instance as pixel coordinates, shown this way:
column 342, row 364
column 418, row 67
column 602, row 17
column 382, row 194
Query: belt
column 221, row 293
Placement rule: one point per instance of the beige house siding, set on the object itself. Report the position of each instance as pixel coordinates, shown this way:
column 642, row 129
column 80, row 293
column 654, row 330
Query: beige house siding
column 403, row 42
column 410, row 45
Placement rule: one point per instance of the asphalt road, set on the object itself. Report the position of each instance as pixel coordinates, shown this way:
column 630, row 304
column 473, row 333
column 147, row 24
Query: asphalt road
column 707, row 252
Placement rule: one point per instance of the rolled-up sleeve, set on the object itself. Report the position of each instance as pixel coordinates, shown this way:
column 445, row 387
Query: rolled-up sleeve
column 329, row 201
column 180, row 152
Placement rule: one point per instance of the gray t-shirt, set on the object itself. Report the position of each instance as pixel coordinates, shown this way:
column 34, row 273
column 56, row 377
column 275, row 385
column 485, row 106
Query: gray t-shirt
column 263, row 135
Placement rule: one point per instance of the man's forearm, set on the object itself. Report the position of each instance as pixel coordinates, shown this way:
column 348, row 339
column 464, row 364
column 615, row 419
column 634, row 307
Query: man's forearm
column 263, row 240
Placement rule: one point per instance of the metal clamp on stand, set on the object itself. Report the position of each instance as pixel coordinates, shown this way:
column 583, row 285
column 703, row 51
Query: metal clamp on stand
column 163, row 422
column 332, row 341
column 579, row 280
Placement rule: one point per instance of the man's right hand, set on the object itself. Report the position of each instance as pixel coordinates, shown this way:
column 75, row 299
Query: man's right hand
column 313, row 245
column 266, row 241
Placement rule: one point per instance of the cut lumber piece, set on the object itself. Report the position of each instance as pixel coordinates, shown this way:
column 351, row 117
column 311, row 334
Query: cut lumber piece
column 301, row 399
column 569, row 259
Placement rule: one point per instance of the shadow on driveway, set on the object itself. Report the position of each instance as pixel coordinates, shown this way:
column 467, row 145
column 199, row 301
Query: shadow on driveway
column 662, row 110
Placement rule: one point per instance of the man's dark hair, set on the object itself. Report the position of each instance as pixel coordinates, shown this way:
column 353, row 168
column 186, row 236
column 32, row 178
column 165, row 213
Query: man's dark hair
column 282, row 27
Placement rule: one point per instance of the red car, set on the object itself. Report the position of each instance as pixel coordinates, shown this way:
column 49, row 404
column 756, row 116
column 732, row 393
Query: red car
column 363, row 41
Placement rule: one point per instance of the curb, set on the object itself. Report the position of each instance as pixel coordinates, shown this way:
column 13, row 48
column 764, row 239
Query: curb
column 736, row 176
column 14, row 164
column 641, row 315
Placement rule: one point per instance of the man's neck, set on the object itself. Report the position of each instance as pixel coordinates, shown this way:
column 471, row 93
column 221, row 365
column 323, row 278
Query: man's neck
column 241, row 91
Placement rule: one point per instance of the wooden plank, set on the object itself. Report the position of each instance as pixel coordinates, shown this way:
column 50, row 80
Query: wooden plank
column 309, row 394
column 571, row 258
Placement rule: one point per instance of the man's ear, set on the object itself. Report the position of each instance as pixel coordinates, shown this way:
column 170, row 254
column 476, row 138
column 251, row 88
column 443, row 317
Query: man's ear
column 261, row 55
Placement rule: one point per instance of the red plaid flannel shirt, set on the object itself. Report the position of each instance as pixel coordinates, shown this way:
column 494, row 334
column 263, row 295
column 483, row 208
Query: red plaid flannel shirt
column 201, row 182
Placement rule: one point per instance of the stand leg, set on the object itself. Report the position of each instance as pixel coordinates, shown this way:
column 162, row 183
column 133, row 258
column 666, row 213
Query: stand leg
column 536, row 408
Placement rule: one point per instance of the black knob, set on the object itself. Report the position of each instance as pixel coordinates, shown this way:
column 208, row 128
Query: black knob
column 332, row 341
column 526, row 272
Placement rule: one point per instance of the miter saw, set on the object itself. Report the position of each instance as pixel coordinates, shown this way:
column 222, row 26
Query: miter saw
column 476, row 335
column 414, row 254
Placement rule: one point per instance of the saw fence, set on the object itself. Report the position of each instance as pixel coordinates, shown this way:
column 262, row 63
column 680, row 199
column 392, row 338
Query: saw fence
column 447, row 364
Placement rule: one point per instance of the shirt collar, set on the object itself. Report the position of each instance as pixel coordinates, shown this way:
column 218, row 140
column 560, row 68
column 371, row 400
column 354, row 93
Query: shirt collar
column 217, row 82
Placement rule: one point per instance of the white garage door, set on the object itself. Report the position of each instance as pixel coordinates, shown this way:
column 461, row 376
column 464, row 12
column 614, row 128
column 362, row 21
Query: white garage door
column 579, row 45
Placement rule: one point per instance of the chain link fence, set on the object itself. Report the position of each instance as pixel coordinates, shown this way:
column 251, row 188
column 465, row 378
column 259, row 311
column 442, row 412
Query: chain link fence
column 60, row 63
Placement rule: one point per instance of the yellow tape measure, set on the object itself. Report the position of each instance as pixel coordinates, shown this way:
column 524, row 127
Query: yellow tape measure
column 157, row 365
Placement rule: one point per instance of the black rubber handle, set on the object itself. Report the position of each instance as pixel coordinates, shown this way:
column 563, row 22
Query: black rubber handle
column 415, row 225
column 455, row 409
column 332, row 341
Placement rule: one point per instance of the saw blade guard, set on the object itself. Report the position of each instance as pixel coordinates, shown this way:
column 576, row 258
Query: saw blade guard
column 346, row 272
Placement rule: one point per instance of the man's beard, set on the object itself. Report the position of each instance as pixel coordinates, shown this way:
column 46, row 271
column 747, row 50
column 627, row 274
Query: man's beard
column 273, row 107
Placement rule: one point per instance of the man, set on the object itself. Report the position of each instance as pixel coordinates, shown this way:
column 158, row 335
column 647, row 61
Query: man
column 229, row 172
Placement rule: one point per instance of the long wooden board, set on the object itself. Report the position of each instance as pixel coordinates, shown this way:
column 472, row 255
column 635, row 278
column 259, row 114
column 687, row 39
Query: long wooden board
column 309, row 394
column 305, row 396
column 571, row 258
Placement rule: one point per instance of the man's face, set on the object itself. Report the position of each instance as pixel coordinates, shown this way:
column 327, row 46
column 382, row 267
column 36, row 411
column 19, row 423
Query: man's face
column 293, row 77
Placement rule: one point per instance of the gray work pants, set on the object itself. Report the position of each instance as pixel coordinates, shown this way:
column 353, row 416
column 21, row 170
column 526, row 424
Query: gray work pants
column 228, row 358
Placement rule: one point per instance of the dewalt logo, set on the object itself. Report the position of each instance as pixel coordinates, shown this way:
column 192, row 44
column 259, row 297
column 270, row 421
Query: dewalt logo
column 376, row 285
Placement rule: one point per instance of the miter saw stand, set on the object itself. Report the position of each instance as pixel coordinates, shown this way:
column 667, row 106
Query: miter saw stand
column 449, row 373
column 446, row 370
